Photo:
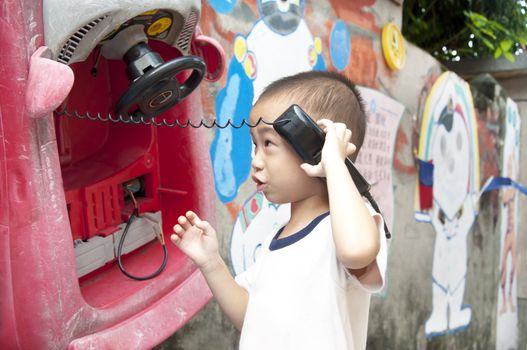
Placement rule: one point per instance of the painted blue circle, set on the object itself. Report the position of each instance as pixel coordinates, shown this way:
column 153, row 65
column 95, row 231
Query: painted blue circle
column 339, row 45
column 222, row 6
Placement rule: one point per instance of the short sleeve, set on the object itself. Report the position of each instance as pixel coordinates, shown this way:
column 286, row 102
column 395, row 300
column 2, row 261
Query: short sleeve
column 374, row 278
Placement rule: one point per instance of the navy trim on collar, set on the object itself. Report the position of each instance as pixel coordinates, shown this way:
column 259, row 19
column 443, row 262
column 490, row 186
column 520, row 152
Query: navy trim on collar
column 278, row 243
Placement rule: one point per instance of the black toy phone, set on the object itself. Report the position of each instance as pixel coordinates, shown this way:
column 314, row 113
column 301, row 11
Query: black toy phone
column 307, row 139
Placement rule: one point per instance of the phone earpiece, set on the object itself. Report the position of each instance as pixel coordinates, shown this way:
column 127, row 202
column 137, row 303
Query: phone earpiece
column 307, row 139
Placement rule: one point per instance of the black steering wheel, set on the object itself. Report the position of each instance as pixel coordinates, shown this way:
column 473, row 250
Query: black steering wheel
column 157, row 89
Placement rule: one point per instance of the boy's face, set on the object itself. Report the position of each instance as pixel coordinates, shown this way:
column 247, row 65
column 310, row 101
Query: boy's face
column 275, row 165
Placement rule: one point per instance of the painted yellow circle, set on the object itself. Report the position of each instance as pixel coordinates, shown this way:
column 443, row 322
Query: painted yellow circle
column 159, row 26
column 249, row 65
column 318, row 45
column 240, row 48
column 393, row 46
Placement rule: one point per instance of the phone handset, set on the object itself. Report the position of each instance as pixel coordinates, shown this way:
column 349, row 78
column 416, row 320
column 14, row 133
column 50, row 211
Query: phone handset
column 307, row 139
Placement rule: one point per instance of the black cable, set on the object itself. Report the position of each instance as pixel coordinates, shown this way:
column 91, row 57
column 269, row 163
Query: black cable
column 376, row 208
column 135, row 213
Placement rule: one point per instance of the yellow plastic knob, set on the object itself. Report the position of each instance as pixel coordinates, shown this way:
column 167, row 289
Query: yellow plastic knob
column 393, row 46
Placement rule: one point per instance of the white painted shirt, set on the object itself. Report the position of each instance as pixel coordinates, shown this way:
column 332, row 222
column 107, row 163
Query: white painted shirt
column 302, row 297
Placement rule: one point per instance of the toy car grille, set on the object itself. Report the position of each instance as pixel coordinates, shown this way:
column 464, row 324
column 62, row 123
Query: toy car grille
column 185, row 36
column 67, row 51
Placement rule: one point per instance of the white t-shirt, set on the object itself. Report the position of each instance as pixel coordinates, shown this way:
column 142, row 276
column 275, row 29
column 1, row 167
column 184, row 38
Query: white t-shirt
column 302, row 297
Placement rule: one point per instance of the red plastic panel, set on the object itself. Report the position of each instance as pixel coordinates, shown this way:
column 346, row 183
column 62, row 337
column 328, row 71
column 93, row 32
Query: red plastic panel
column 55, row 170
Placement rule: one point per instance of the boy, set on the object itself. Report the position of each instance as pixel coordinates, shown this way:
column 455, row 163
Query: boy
column 309, row 288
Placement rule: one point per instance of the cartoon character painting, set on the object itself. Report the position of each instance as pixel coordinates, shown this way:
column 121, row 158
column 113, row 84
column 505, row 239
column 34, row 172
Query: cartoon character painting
column 279, row 44
column 447, row 195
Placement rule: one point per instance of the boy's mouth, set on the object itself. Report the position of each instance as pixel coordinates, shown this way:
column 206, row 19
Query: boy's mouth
column 259, row 184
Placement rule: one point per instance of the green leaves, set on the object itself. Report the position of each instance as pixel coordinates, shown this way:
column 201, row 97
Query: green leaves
column 484, row 28
column 505, row 47
column 509, row 56
column 496, row 37
column 498, row 53
column 478, row 20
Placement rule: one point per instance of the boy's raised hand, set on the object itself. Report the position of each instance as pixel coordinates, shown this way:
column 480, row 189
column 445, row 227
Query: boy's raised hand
column 337, row 147
column 196, row 238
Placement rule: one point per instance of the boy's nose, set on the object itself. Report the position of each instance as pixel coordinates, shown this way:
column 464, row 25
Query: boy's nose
column 257, row 162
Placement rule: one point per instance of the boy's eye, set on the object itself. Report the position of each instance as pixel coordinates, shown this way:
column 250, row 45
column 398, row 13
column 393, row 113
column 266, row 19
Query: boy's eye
column 267, row 143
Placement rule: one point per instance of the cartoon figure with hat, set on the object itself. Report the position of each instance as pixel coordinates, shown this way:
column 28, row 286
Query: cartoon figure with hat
column 447, row 195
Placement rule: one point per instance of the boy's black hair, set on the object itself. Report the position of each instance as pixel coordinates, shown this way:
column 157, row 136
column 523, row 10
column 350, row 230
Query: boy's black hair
column 323, row 94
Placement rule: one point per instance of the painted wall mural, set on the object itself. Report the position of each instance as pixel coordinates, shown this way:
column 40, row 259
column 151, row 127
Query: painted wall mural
column 447, row 192
column 279, row 44
column 222, row 6
column 507, row 316
column 340, row 45
column 489, row 102
column 458, row 144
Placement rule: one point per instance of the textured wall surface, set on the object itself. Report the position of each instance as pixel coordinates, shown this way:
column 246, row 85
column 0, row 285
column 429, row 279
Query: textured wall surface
column 346, row 35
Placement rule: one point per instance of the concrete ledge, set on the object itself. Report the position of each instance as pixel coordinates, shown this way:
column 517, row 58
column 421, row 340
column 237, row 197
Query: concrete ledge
column 500, row 68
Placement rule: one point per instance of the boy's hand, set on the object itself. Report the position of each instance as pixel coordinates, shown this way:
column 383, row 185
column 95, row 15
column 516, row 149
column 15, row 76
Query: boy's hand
column 337, row 147
column 196, row 238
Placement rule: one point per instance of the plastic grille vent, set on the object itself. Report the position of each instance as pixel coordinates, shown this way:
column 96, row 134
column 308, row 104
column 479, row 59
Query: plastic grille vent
column 67, row 51
column 185, row 36
column 102, row 207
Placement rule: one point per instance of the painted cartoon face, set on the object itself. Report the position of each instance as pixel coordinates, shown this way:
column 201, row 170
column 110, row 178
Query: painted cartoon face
column 451, row 163
column 282, row 16
column 275, row 165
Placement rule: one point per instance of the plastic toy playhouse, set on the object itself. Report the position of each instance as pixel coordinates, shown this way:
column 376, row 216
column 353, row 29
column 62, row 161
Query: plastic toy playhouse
column 91, row 183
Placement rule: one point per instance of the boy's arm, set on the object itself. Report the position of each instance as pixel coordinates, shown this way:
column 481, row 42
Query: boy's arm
column 354, row 230
column 230, row 296
column 197, row 239
column 372, row 277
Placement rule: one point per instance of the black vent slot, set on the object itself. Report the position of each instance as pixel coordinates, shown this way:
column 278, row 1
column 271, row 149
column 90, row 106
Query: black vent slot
column 183, row 41
column 68, row 50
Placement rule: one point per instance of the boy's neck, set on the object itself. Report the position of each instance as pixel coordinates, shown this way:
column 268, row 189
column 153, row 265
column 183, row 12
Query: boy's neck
column 303, row 212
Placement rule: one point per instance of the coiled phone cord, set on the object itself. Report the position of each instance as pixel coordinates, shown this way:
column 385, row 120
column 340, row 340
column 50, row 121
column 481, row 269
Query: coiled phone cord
column 159, row 123
column 135, row 214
